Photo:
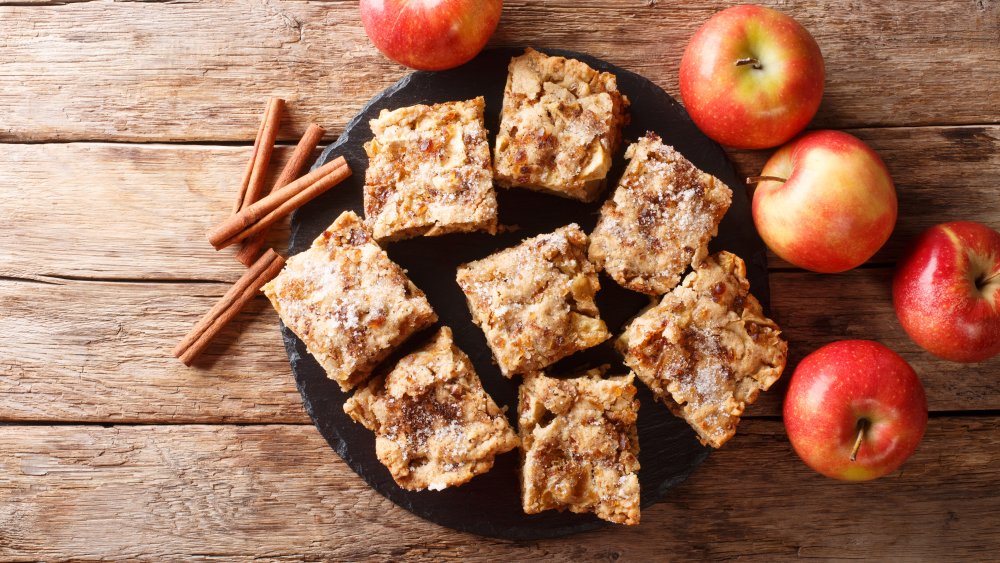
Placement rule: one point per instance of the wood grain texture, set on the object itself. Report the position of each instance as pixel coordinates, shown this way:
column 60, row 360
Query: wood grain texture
column 113, row 211
column 200, row 70
column 278, row 492
column 96, row 351
column 100, row 352
column 104, row 266
column 141, row 211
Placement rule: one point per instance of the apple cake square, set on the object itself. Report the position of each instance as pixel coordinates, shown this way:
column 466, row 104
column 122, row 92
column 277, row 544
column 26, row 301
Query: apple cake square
column 579, row 445
column 434, row 425
column 347, row 301
column 707, row 350
column 535, row 301
column 659, row 219
column 429, row 172
column 560, row 126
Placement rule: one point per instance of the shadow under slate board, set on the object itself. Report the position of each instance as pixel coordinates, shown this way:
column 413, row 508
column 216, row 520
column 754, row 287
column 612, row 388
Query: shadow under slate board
column 490, row 504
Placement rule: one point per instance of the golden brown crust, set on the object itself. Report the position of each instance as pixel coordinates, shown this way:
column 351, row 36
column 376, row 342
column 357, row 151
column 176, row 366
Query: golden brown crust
column 434, row 425
column 659, row 219
column 560, row 126
column 347, row 301
column 535, row 301
column 579, row 445
column 429, row 172
column 707, row 350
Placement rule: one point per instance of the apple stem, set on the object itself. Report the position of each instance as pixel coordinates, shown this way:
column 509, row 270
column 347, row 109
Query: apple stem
column 862, row 427
column 749, row 61
column 758, row 179
column 991, row 277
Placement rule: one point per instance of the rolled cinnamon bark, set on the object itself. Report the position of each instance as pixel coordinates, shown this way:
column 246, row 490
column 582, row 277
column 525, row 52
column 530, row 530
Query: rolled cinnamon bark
column 242, row 292
column 261, row 215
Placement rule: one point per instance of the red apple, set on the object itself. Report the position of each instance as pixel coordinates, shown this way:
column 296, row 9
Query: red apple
column 830, row 205
column 430, row 34
column 752, row 77
column 947, row 291
column 855, row 410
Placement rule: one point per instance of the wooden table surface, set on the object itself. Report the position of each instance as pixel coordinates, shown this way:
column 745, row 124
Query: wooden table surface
column 125, row 127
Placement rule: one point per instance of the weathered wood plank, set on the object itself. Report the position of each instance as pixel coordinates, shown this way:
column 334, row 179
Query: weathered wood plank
column 278, row 492
column 141, row 211
column 102, row 351
column 120, row 211
column 201, row 70
column 99, row 352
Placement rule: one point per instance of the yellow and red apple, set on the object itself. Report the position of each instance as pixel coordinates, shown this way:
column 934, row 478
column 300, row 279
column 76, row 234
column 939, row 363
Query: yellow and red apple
column 430, row 34
column 946, row 291
column 827, row 202
column 855, row 410
column 752, row 77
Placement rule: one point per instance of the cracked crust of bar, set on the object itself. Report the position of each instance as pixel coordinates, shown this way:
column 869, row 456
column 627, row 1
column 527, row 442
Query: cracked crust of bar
column 347, row 301
column 535, row 301
column 560, row 126
column 659, row 219
column 579, row 445
column 707, row 350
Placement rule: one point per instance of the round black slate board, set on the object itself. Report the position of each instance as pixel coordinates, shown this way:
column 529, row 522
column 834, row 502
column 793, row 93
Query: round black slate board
column 490, row 504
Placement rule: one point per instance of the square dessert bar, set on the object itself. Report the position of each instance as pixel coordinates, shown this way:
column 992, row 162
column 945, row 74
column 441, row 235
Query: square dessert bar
column 579, row 445
column 434, row 425
column 535, row 301
column 707, row 350
column 560, row 126
column 659, row 219
column 429, row 172
column 347, row 301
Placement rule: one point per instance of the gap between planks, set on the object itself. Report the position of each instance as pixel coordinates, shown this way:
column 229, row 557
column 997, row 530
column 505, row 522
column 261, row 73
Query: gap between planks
column 329, row 140
column 61, row 279
column 13, row 422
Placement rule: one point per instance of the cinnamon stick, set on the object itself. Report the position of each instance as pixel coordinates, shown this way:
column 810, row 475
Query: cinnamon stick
column 245, row 180
column 241, row 293
column 252, row 182
column 261, row 215
column 293, row 168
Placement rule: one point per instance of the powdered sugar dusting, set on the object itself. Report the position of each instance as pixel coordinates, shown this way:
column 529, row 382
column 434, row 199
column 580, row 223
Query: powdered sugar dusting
column 706, row 349
column 662, row 213
column 535, row 301
column 347, row 301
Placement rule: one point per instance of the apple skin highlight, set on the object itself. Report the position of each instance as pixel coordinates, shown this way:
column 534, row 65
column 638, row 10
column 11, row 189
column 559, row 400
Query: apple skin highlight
column 841, row 384
column 946, row 291
column 752, row 105
column 836, row 207
column 430, row 34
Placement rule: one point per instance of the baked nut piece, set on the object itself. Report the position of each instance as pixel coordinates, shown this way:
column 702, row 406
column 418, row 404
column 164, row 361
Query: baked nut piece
column 429, row 172
column 659, row 219
column 707, row 350
column 434, row 425
column 347, row 301
column 535, row 301
column 559, row 127
column 579, row 446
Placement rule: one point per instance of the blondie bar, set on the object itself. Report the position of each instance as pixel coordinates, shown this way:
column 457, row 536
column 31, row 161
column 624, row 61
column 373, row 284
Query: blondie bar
column 347, row 301
column 579, row 445
column 429, row 172
column 535, row 301
column 560, row 126
column 659, row 219
column 707, row 350
column 434, row 425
